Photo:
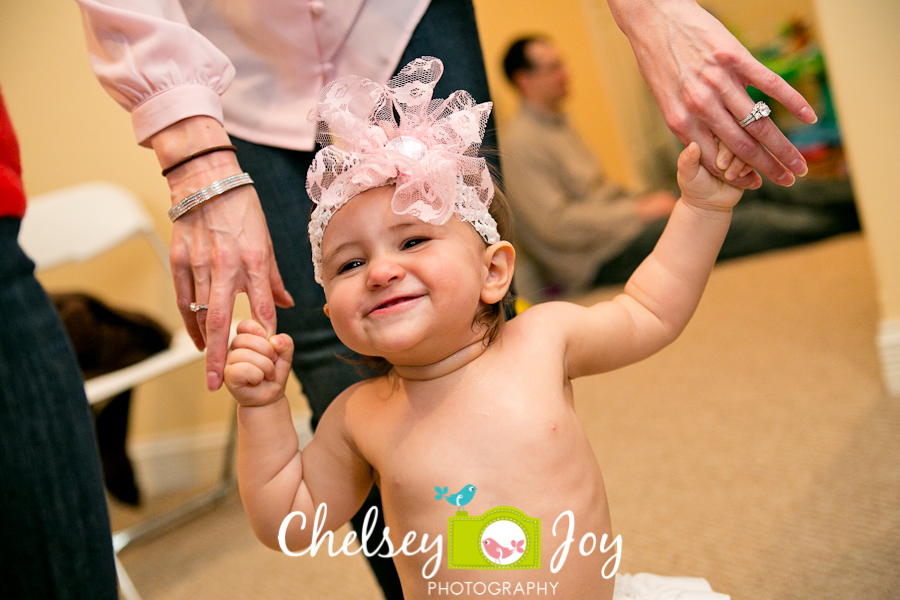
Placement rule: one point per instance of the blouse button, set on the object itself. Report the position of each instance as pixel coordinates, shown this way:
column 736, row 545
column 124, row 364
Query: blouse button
column 316, row 7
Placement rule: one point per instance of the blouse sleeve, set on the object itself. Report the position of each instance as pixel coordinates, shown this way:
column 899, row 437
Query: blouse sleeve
column 149, row 59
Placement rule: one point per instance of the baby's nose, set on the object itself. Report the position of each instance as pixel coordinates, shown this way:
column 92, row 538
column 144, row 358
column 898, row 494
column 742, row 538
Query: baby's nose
column 384, row 271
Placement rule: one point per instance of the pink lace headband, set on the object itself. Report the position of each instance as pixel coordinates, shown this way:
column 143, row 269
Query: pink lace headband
column 431, row 155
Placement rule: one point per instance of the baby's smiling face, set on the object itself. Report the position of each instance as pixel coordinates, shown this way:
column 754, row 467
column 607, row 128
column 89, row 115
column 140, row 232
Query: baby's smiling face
column 400, row 288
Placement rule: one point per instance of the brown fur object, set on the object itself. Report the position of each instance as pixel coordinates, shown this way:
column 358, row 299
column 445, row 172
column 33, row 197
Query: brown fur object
column 107, row 339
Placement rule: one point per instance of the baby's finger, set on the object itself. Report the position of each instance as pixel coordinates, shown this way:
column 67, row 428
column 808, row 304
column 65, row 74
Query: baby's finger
column 244, row 356
column 243, row 374
column 689, row 161
column 724, row 157
column 252, row 327
column 284, row 346
column 734, row 169
column 255, row 343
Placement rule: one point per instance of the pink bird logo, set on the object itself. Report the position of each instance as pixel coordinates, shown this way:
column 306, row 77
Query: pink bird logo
column 498, row 552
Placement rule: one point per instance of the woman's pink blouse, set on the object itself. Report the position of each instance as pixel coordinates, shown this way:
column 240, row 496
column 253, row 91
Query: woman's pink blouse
column 254, row 65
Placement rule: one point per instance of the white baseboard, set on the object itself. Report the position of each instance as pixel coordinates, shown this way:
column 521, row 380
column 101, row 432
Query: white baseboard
column 188, row 460
column 889, row 352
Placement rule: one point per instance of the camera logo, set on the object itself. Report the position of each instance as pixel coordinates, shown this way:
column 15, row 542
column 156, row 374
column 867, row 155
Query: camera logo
column 501, row 538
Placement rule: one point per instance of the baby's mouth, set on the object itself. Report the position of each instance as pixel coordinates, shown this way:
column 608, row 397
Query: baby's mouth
column 394, row 302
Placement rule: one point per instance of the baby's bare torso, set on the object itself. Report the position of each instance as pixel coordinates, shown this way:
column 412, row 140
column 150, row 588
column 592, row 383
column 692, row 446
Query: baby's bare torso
column 504, row 423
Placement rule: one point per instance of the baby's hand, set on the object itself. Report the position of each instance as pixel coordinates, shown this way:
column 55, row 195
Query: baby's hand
column 699, row 188
column 733, row 166
column 256, row 368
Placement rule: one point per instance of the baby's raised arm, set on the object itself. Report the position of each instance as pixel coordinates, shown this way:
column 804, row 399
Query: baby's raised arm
column 662, row 294
column 274, row 476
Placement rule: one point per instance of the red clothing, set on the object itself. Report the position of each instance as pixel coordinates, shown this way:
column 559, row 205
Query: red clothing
column 12, row 194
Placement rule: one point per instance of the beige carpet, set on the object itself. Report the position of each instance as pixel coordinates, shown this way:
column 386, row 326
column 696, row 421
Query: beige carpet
column 759, row 451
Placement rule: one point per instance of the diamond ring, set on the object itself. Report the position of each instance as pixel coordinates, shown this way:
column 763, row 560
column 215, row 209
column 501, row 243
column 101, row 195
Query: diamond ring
column 760, row 110
column 198, row 307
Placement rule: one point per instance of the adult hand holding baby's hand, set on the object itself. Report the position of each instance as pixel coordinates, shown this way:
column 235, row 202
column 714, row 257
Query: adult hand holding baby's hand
column 257, row 368
column 698, row 73
column 219, row 249
column 699, row 188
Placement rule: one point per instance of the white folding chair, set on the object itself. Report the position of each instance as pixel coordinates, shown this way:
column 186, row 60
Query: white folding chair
column 78, row 223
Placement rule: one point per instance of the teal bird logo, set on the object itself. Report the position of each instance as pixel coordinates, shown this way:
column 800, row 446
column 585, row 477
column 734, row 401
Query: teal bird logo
column 459, row 499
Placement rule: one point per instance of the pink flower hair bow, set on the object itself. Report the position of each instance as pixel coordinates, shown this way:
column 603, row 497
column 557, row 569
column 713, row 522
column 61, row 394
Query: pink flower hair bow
column 431, row 155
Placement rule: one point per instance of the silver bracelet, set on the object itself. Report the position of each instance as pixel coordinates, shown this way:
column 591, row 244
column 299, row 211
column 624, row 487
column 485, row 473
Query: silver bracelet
column 209, row 192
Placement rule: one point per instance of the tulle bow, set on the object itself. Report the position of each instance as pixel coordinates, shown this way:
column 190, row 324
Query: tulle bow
column 430, row 154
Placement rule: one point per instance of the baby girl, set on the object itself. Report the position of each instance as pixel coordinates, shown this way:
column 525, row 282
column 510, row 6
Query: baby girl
column 416, row 267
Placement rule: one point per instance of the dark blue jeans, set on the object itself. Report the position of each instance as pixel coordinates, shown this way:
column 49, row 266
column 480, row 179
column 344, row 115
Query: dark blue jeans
column 55, row 539
column 446, row 31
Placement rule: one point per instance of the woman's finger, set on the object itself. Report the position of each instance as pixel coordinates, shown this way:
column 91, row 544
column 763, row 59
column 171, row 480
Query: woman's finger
column 280, row 294
column 262, row 303
column 184, row 295
column 218, row 329
column 760, row 142
column 745, row 142
column 201, row 298
column 774, row 86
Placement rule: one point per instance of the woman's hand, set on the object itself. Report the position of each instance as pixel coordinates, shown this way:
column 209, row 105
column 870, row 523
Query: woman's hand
column 698, row 73
column 220, row 248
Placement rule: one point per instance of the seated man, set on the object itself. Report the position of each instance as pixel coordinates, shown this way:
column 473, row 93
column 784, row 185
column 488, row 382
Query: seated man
column 579, row 230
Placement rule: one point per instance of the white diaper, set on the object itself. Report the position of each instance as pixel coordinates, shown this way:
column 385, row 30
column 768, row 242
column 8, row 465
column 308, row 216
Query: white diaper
column 645, row 586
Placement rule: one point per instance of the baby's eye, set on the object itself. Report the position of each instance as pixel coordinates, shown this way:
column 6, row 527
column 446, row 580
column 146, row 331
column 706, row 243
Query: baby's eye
column 414, row 242
column 349, row 265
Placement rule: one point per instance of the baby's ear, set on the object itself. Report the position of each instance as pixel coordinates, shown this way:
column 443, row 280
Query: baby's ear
column 500, row 260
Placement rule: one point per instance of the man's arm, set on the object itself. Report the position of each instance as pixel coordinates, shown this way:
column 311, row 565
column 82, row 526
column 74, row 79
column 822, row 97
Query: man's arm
column 698, row 73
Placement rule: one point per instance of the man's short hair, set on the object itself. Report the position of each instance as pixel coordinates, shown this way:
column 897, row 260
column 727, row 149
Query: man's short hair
column 516, row 58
